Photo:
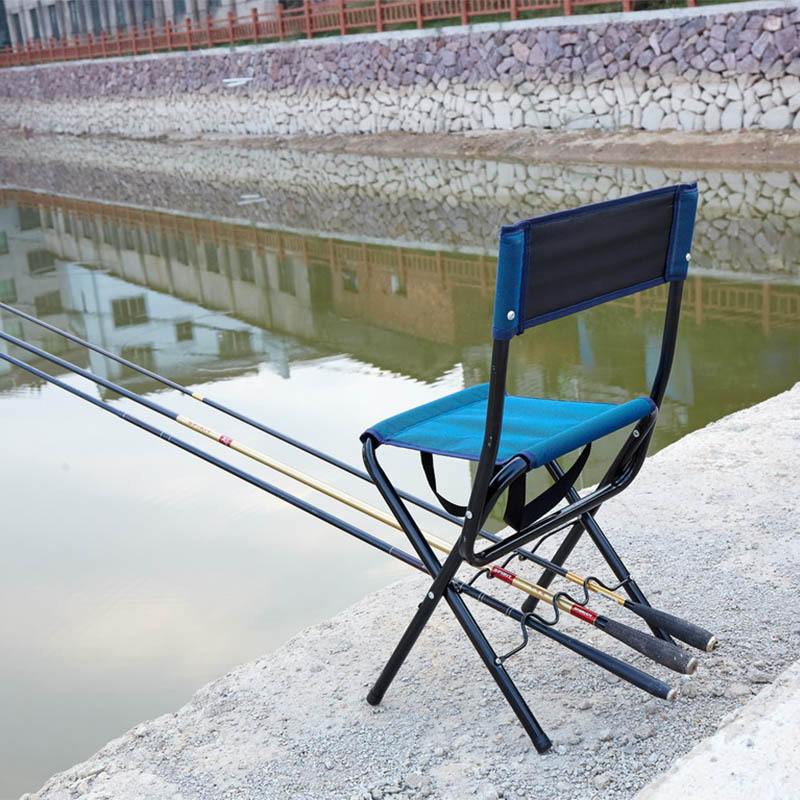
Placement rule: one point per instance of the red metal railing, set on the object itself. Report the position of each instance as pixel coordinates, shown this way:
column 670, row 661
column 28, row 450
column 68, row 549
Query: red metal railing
column 331, row 16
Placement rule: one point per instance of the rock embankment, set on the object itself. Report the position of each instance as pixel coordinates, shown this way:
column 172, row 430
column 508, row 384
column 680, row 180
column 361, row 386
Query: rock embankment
column 727, row 67
column 709, row 528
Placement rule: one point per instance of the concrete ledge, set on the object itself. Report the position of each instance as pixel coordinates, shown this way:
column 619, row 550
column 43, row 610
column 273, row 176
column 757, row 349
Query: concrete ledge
column 755, row 754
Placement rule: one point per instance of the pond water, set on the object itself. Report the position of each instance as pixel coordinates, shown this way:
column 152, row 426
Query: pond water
column 318, row 294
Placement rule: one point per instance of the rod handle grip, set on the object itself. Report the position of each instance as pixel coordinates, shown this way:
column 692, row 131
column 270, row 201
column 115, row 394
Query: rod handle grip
column 664, row 653
column 687, row 632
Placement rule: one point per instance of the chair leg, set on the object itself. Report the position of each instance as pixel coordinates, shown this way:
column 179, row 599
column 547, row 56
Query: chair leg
column 588, row 523
column 620, row 570
column 514, row 698
column 441, row 587
column 414, row 629
column 540, row 739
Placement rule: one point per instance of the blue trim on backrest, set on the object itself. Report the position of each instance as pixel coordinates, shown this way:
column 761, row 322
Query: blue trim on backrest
column 509, row 289
column 680, row 242
column 514, row 257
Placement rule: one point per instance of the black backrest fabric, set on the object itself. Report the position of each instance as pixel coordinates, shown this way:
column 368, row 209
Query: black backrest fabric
column 556, row 264
column 574, row 258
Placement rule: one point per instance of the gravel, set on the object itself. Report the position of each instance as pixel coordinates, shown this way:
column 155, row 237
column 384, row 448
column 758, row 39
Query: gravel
column 294, row 724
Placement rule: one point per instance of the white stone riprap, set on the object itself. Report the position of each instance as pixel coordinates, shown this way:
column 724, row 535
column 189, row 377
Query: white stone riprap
column 713, row 68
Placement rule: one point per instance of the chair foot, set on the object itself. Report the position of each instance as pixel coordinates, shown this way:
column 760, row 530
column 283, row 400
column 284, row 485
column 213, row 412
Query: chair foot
column 374, row 698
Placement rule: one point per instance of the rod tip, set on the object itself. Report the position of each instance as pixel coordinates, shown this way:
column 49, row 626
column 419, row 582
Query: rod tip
column 712, row 644
column 671, row 695
column 691, row 667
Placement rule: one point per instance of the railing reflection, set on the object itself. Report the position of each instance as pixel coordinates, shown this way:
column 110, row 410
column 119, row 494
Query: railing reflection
column 240, row 268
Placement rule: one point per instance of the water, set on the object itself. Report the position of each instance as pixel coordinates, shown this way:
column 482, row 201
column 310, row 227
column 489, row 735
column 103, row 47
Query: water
column 132, row 574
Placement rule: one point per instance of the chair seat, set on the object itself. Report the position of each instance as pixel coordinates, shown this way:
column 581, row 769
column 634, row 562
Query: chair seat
column 538, row 430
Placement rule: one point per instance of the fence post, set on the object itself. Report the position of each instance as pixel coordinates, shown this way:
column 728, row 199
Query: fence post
column 514, row 10
column 231, row 19
column 103, row 49
column 150, row 42
column 342, row 18
column 567, row 8
column 119, row 42
column 188, row 26
column 89, row 44
column 169, row 35
column 464, row 15
column 307, row 14
column 419, row 13
column 77, row 44
column 279, row 12
column 379, row 16
column 209, row 38
column 133, row 39
column 254, row 17
column 627, row 5
column 691, row 3
column 49, row 49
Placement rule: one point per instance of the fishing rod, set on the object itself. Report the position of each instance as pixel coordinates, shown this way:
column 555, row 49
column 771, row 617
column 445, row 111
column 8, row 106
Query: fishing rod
column 681, row 629
column 665, row 653
column 231, row 412
column 627, row 672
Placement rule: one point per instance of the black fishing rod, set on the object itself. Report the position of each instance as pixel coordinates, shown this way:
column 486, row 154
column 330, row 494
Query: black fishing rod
column 231, row 412
column 665, row 653
column 626, row 672
column 681, row 629
column 306, row 448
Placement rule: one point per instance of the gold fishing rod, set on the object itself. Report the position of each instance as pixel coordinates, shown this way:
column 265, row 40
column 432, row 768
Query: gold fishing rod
column 685, row 631
column 674, row 625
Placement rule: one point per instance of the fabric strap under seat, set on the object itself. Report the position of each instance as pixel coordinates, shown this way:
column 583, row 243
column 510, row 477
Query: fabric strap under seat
column 517, row 515
column 427, row 467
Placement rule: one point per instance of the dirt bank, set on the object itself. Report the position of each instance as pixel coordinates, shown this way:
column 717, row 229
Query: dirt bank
column 728, row 150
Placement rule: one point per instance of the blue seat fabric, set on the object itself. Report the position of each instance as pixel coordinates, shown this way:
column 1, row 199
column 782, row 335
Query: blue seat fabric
column 535, row 429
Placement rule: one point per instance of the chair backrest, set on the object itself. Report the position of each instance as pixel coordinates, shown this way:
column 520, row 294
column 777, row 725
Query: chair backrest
column 560, row 263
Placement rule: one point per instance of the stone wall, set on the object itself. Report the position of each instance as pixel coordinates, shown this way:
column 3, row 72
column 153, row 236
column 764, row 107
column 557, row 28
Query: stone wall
column 713, row 68
column 748, row 223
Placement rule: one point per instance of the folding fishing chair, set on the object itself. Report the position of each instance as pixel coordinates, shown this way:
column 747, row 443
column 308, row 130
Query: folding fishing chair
column 548, row 267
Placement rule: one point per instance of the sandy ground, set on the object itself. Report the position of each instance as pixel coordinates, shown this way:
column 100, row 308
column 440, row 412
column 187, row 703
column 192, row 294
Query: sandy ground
column 729, row 149
column 776, row 150
column 710, row 531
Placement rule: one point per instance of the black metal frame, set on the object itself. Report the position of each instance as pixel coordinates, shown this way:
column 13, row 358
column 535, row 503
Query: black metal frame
column 487, row 488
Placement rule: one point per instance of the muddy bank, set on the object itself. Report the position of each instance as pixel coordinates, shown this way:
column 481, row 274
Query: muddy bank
column 725, row 150
column 776, row 150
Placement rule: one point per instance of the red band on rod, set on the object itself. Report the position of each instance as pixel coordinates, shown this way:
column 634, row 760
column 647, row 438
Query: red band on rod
column 226, row 440
column 503, row 574
column 583, row 613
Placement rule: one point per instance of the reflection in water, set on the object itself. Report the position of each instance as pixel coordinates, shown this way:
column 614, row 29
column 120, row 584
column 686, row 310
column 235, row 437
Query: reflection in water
column 135, row 574
column 200, row 299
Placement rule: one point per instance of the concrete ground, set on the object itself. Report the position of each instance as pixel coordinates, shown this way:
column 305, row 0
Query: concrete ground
column 710, row 531
column 756, row 753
